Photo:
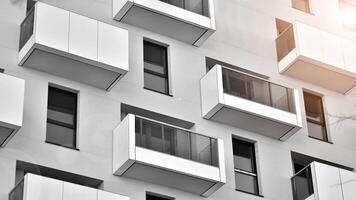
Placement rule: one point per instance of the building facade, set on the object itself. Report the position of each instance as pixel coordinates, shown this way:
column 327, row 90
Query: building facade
column 163, row 99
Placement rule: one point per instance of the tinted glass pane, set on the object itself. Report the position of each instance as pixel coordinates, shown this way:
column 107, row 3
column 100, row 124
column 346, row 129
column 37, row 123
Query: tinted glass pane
column 156, row 83
column 154, row 53
column 244, row 158
column 246, row 183
column 177, row 142
column 62, row 100
column 201, row 149
column 195, row 6
column 26, row 29
column 153, row 197
column 317, row 131
column 302, row 185
column 4, row 134
column 155, row 68
column 313, row 107
column 153, row 135
column 215, row 156
column 60, row 135
column 279, row 96
column 60, row 116
column 138, row 132
column 17, row 193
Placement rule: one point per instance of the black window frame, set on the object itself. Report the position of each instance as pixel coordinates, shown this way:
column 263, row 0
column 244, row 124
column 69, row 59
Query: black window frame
column 254, row 173
column 63, row 124
column 323, row 120
column 164, row 75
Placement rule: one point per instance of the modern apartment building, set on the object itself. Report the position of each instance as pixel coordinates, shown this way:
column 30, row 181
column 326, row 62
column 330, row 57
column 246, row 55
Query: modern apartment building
column 177, row 99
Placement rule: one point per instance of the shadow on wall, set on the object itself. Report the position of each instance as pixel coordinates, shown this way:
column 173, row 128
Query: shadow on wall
column 16, row 2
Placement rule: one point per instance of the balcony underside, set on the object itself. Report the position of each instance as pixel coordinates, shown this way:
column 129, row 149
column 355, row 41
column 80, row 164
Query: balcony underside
column 169, row 178
column 71, row 67
column 164, row 24
column 319, row 74
column 253, row 123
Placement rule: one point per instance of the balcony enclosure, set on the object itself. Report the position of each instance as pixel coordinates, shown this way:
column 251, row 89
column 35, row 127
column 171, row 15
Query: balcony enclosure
column 319, row 181
column 167, row 155
column 72, row 46
column 304, row 51
column 190, row 21
column 242, row 100
column 35, row 187
column 12, row 92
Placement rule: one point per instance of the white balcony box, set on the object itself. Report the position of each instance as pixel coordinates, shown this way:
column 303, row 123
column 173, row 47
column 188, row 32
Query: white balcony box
column 163, row 154
column 12, row 91
column 312, row 55
column 72, row 46
column 35, row 187
column 324, row 182
column 250, row 103
column 190, row 21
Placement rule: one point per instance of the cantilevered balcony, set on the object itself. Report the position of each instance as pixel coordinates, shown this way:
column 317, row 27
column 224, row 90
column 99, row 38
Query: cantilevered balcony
column 324, row 182
column 190, row 21
column 250, row 103
column 35, row 187
column 12, row 91
column 163, row 154
column 72, row 46
column 312, row 55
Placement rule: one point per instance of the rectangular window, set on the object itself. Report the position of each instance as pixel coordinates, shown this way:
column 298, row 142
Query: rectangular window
column 155, row 67
column 302, row 5
column 315, row 116
column 152, row 196
column 61, row 117
column 245, row 166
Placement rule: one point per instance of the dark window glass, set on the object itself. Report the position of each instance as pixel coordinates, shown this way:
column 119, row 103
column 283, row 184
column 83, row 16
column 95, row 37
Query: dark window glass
column 155, row 67
column 315, row 116
column 176, row 142
column 245, row 166
column 2, row 70
column 157, row 197
column 30, row 4
column 196, row 6
column 302, row 184
column 61, row 117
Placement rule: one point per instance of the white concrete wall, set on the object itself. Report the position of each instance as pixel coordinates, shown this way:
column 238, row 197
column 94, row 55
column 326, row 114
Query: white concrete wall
column 244, row 37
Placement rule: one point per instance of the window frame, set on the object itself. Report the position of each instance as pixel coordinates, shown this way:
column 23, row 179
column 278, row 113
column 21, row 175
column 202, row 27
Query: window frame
column 164, row 75
column 247, row 173
column 323, row 122
column 73, row 127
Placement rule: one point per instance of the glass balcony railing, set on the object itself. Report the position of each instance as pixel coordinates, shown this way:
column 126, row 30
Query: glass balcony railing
column 197, row 6
column 174, row 141
column 26, row 29
column 302, row 184
column 285, row 43
column 17, row 192
column 258, row 90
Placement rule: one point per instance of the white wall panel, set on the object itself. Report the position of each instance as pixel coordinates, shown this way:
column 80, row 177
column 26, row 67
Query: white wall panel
column 348, row 181
column 327, row 180
column 12, row 91
column 42, row 188
column 349, row 55
column 310, row 41
column 113, row 46
column 332, row 50
column 103, row 195
column 77, row 192
column 52, row 26
column 83, row 36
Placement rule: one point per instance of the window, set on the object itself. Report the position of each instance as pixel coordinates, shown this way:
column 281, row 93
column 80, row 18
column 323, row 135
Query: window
column 155, row 67
column 245, row 166
column 152, row 196
column 196, row 6
column 61, row 117
column 30, row 4
column 315, row 116
column 302, row 5
column 2, row 70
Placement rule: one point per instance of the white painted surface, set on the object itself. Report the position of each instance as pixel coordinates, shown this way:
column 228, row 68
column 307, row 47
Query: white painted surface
column 113, row 46
column 348, row 182
column 177, row 164
column 12, row 91
column 83, row 36
column 210, row 92
column 52, row 26
column 42, row 188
